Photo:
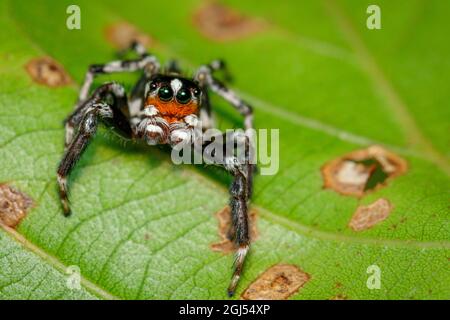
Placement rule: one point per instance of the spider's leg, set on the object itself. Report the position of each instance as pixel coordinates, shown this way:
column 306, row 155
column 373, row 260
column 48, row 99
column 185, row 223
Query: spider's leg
column 206, row 117
column 238, row 166
column 239, row 212
column 219, row 65
column 86, row 119
column 204, row 78
column 136, row 47
column 146, row 62
column 172, row 66
column 138, row 90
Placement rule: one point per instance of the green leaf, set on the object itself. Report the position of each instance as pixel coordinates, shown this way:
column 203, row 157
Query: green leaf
column 142, row 228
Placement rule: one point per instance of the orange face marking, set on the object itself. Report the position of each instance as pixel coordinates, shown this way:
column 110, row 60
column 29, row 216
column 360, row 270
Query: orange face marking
column 173, row 111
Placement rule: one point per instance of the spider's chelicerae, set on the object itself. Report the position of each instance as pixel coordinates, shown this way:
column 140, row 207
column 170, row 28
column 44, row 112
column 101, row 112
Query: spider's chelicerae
column 162, row 108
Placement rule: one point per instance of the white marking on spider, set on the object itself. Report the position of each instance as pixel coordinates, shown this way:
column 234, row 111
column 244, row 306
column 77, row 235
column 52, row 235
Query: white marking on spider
column 147, row 89
column 150, row 111
column 135, row 107
column 62, row 181
column 242, row 251
column 161, row 122
column 231, row 163
column 180, row 136
column 191, row 120
column 151, row 128
column 118, row 89
column 248, row 122
column 113, row 66
column 69, row 133
column 87, row 84
column 206, row 120
column 176, row 85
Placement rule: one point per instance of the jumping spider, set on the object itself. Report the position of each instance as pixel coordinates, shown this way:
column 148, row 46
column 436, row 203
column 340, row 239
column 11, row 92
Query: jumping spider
column 162, row 108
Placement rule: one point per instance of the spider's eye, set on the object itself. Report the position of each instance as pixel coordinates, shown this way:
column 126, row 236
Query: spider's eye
column 196, row 92
column 165, row 93
column 183, row 96
column 153, row 85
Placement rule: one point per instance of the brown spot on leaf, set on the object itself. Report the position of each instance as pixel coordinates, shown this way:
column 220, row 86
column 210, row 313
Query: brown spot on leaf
column 46, row 71
column 366, row 217
column 122, row 34
column 226, row 245
column 361, row 171
column 277, row 283
column 13, row 205
column 220, row 23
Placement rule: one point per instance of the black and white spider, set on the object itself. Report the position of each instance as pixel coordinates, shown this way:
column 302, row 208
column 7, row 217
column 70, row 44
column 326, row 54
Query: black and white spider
column 162, row 108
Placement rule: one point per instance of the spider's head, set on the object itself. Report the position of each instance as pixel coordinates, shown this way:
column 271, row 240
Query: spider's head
column 174, row 97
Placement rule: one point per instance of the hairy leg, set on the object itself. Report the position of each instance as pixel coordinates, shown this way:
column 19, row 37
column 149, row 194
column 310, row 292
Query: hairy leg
column 205, row 78
column 146, row 62
column 238, row 166
column 86, row 120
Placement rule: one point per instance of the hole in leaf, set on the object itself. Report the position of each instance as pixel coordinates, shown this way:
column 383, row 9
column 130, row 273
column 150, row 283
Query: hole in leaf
column 362, row 171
